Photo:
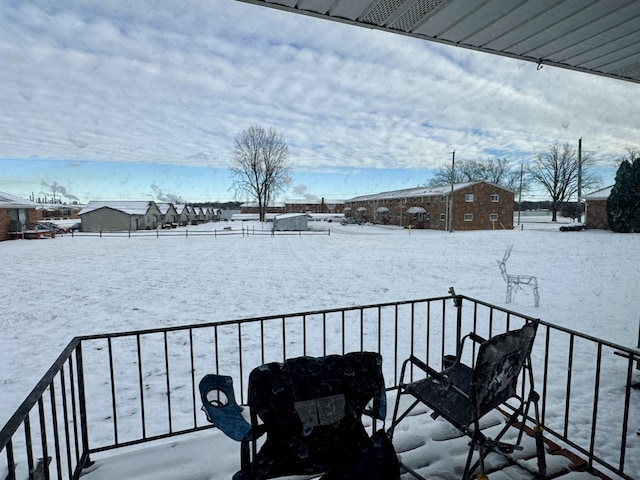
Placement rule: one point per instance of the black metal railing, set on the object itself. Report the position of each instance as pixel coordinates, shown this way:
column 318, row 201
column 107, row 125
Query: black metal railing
column 116, row 390
column 47, row 436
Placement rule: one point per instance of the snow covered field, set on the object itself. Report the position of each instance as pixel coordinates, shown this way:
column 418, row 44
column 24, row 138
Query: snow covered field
column 53, row 290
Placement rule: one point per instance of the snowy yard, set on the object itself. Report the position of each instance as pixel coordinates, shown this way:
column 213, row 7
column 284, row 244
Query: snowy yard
column 56, row 289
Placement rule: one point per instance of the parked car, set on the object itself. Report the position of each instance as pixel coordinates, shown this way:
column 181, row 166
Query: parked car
column 352, row 221
column 49, row 227
column 75, row 227
column 574, row 227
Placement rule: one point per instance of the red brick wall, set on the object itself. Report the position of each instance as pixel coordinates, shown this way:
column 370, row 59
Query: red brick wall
column 5, row 218
column 4, row 223
column 482, row 207
column 597, row 214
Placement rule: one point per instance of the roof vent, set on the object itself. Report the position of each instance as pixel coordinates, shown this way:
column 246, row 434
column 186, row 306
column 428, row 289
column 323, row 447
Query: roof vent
column 415, row 14
column 378, row 15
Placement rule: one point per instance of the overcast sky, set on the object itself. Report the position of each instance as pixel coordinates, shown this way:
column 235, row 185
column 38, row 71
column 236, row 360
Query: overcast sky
column 137, row 100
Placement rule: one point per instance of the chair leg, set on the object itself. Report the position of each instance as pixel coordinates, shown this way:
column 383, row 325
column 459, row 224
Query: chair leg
column 540, row 453
column 475, row 443
column 395, row 420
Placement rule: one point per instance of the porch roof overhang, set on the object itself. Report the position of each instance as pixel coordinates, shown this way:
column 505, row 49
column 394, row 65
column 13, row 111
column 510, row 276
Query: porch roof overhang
column 416, row 210
column 598, row 37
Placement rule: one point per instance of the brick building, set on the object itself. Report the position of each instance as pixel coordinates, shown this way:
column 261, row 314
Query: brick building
column 16, row 214
column 596, row 209
column 57, row 211
column 476, row 206
column 308, row 205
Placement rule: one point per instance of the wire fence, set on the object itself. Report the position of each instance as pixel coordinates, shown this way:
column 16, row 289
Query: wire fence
column 186, row 233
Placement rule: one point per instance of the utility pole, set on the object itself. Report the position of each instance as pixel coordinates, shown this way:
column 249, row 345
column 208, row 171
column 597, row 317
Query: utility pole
column 453, row 179
column 520, row 193
column 580, row 180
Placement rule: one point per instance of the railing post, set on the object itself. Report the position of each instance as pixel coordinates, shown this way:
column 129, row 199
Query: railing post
column 85, row 461
column 457, row 302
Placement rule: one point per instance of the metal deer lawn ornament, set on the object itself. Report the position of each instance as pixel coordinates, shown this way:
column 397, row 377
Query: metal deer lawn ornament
column 515, row 282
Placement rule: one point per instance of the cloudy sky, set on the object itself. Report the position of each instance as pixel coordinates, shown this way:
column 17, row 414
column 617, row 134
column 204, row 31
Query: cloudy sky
column 141, row 100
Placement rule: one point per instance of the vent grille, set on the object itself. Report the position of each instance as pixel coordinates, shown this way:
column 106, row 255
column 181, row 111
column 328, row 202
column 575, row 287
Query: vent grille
column 378, row 15
column 415, row 14
column 631, row 71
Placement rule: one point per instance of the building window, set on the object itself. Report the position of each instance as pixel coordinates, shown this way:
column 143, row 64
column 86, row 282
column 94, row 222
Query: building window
column 495, row 197
column 443, row 217
column 468, row 197
column 443, row 198
column 468, row 217
column 493, row 217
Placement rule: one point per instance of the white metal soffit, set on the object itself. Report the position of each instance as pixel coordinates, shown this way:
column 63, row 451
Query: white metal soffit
column 600, row 37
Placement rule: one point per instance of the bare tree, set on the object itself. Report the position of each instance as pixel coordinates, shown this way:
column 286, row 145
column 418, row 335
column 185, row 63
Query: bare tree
column 260, row 165
column 498, row 171
column 556, row 169
column 632, row 153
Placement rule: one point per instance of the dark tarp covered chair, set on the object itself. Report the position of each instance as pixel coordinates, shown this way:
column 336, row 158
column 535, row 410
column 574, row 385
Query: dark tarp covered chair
column 310, row 410
column 462, row 395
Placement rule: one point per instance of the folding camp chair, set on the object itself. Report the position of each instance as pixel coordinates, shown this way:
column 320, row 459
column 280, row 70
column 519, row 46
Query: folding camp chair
column 462, row 395
column 310, row 411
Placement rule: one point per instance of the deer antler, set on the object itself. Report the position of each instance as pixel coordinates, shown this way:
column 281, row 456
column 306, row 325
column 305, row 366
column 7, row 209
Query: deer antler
column 507, row 253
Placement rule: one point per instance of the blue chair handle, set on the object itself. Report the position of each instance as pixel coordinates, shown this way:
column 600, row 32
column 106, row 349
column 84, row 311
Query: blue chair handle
column 219, row 403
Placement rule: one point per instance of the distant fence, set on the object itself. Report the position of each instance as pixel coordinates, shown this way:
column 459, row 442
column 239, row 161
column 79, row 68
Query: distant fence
column 186, row 233
column 116, row 390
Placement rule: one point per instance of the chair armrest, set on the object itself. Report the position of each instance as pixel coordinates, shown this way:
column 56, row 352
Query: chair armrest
column 255, row 433
column 476, row 338
column 472, row 336
column 378, row 410
column 424, row 367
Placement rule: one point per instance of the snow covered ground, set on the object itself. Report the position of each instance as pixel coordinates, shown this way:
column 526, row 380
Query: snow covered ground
column 55, row 289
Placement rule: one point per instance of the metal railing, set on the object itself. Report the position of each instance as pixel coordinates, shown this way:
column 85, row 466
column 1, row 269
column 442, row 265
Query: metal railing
column 115, row 390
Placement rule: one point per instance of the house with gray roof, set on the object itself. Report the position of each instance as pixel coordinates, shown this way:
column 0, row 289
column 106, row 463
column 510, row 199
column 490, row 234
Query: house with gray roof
column 199, row 215
column 100, row 216
column 168, row 215
column 183, row 214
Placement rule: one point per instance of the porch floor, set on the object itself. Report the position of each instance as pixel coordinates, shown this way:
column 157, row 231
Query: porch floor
column 431, row 447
